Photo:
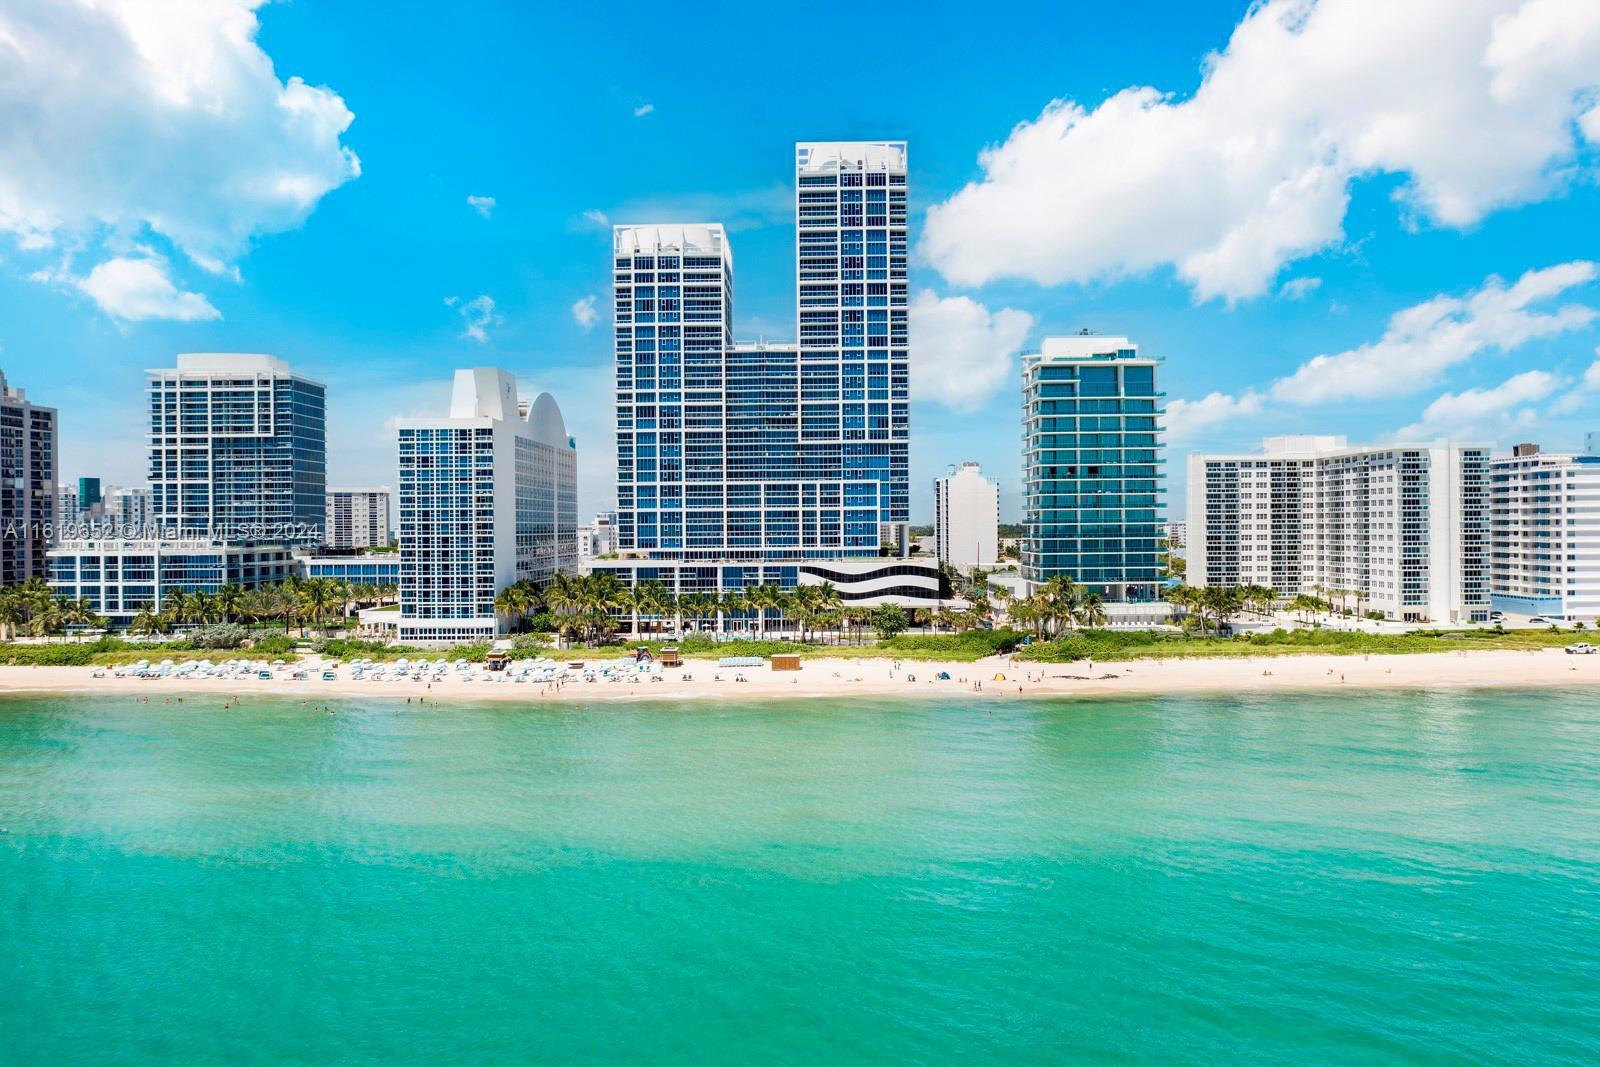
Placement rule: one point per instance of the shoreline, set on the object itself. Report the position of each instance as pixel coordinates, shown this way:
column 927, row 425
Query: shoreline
column 822, row 678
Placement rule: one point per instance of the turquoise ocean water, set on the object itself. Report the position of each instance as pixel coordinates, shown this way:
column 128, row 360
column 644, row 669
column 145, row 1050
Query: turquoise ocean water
column 1356, row 878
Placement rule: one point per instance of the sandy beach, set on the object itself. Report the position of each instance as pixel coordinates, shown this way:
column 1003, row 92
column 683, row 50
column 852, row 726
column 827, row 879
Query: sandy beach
column 996, row 676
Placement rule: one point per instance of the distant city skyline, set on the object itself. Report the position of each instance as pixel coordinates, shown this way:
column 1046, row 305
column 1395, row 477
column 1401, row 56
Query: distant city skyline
column 1297, row 267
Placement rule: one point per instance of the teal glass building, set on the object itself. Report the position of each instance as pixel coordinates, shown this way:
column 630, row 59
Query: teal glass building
column 1092, row 467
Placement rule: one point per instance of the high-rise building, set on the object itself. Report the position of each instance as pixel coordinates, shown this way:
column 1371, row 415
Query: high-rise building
column 128, row 509
column 88, row 492
column 238, row 449
column 1177, row 535
column 851, row 305
column 966, row 518
column 68, row 513
column 1544, row 527
column 768, row 451
column 770, row 463
column 28, row 474
column 673, row 289
column 357, row 518
column 488, row 497
column 1401, row 529
column 1092, row 468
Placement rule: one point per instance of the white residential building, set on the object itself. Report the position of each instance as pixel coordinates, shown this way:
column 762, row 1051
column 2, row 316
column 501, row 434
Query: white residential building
column 1401, row 528
column 966, row 518
column 120, row 577
column 488, row 497
column 28, row 474
column 598, row 538
column 1545, row 532
column 357, row 518
column 238, row 449
column 1177, row 534
column 128, row 507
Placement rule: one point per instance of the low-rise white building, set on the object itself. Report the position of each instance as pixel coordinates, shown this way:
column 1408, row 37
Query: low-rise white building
column 1398, row 528
column 120, row 577
column 966, row 518
column 1545, row 533
column 488, row 497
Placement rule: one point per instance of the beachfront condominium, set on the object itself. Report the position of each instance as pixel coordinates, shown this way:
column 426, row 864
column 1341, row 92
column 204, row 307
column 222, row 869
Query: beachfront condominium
column 1092, row 470
column 966, row 518
column 28, row 473
column 357, row 518
column 238, row 449
column 1399, row 529
column 1544, row 528
column 768, row 451
column 488, row 497
column 742, row 464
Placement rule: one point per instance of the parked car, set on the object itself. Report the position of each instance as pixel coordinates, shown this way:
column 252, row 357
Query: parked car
column 1537, row 620
column 1582, row 648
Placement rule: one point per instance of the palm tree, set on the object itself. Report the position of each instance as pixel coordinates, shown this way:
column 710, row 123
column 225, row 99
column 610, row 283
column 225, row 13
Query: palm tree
column 148, row 621
column 736, row 602
column 1059, row 599
column 230, row 601
column 761, row 599
column 1091, row 610
column 179, row 604
column 651, row 599
column 511, row 602
column 13, row 612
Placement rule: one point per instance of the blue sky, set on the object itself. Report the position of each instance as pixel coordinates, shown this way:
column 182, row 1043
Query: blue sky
column 1336, row 184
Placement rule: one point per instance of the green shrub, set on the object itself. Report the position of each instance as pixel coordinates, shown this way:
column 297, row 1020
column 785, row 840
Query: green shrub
column 218, row 635
column 974, row 644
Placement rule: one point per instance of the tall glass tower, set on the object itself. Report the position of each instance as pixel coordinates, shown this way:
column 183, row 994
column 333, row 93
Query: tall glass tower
column 850, row 263
column 1092, row 457
column 761, row 452
column 238, row 449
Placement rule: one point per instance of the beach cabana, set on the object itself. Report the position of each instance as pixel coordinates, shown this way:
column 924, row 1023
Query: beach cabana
column 786, row 663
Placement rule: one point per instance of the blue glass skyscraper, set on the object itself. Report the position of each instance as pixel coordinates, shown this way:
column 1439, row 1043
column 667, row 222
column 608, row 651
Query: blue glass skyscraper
column 1092, row 459
column 746, row 452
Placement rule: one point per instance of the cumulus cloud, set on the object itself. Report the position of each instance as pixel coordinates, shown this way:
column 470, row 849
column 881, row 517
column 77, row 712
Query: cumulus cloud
column 477, row 316
column 1475, row 104
column 1419, row 345
column 135, row 288
column 642, row 110
column 1185, row 418
column 129, row 121
column 483, row 205
column 961, row 352
column 1484, row 413
column 584, row 313
column 1425, row 340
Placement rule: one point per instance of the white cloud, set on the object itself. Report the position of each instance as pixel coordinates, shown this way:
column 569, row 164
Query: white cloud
column 961, row 352
column 1186, row 418
column 642, row 110
column 135, row 288
column 1425, row 340
column 598, row 217
column 584, row 313
column 1581, row 392
column 1299, row 288
column 126, row 119
column 1483, row 414
column 477, row 314
column 1476, row 104
column 483, row 205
